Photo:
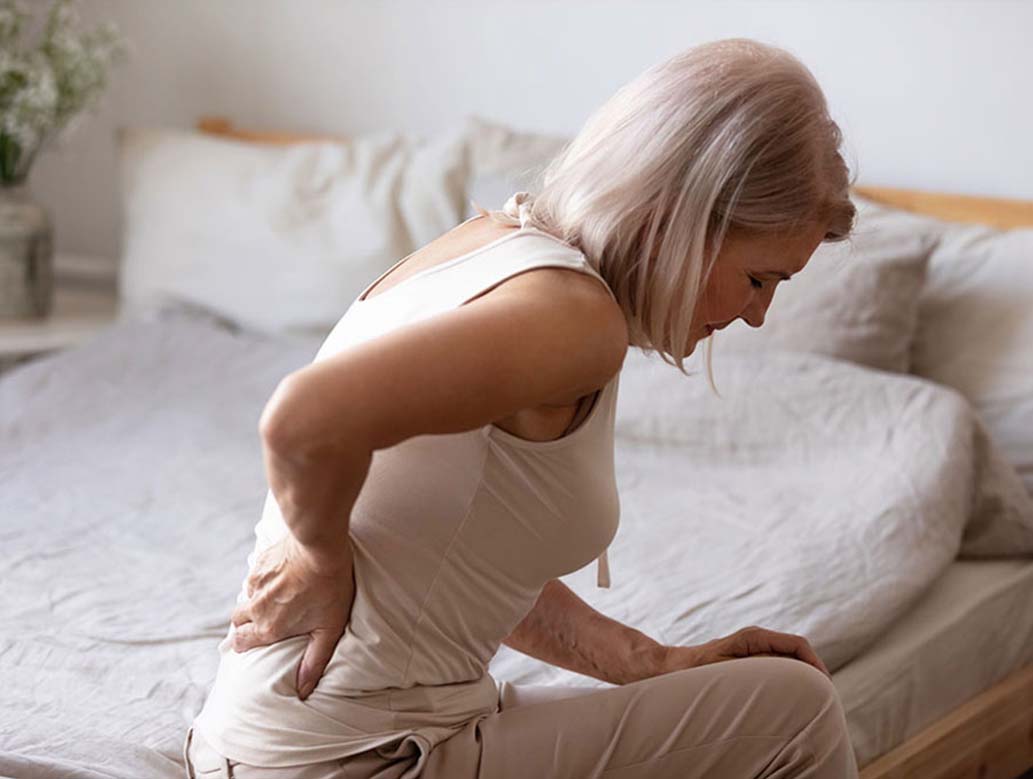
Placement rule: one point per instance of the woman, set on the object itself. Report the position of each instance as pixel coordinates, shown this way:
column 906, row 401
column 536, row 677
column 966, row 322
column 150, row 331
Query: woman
column 449, row 454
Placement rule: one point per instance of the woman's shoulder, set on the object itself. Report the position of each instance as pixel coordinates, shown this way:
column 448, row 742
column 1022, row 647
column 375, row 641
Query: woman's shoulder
column 574, row 285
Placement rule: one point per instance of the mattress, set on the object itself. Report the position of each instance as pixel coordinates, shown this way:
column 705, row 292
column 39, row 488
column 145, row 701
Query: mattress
column 971, row 629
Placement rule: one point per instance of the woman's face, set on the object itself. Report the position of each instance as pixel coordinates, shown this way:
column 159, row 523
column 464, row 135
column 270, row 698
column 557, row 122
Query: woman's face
column 745, row 275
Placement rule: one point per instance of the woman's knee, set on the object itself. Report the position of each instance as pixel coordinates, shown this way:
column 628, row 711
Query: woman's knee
column 813, row 701
column 802, row 673
column 775, row 688
column 794, row 680
column 772, row 702
column 778, row 690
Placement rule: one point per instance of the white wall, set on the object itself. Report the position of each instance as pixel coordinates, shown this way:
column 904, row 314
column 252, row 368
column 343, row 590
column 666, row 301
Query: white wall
column 930, row 94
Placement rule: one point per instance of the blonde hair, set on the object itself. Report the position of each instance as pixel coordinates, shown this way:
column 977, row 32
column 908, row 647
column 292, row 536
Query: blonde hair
column 730, row 135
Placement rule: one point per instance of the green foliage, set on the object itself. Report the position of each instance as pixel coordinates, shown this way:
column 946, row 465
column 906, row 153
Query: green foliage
column 44, row 86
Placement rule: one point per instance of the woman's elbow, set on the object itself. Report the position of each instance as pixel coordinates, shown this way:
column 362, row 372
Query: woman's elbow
column 279, row 425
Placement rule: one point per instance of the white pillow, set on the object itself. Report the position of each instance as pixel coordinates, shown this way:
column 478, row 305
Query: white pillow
column 277, row 238
column 856, row 300
column 975, row 331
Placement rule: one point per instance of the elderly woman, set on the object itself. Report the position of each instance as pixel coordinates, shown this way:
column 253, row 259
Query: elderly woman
column 449, row 454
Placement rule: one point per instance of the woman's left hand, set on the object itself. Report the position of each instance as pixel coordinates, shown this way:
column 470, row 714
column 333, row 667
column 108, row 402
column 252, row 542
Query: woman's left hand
column 752, row 641
column 294, row 591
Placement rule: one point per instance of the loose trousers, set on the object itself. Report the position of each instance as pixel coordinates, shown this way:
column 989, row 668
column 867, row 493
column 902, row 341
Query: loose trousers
column 757, row 717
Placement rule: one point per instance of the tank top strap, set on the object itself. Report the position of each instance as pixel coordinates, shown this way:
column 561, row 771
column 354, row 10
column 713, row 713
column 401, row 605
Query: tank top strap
column 455, row 282
column 518, row 208
column 517, row 211
column 602, row 570
column 525, row 251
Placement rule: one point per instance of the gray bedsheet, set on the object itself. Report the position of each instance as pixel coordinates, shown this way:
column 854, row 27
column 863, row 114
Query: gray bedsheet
column 131, row 479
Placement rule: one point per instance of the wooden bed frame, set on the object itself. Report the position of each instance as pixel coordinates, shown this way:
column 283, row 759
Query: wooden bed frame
column 989, row 736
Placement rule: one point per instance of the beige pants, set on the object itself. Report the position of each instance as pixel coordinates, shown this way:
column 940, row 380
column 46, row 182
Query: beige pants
column 773, row 717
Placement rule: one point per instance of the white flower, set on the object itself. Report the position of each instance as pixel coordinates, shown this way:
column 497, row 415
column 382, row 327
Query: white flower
column 43, row 89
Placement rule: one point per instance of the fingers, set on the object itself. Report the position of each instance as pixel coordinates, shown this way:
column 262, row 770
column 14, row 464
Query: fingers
column 245, row 632
column 254, row 580
column 245, row 637
column 806, row 652
column 317, row 654
column 803, row 650
column 241, row 614
column 790, row 644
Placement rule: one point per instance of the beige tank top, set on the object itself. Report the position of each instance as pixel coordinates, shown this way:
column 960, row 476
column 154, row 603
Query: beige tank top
column 454, row 537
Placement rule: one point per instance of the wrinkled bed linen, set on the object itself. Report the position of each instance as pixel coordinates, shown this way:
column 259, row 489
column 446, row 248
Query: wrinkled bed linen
column 816, row 497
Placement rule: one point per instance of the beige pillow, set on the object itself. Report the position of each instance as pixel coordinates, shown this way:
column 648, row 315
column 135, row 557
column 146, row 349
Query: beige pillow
column 855, row 301
column 975, row 331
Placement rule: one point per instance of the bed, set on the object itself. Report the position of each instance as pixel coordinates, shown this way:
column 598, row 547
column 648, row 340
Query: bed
column 131, row 480
column 947, row 726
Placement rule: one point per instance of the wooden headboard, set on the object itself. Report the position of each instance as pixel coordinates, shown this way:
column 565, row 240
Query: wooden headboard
column 1003, row 213
column 218, row 125
column 998, row 212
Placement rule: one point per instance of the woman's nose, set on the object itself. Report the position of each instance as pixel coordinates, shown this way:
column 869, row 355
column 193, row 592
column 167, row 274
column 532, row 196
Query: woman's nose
column 754, row 313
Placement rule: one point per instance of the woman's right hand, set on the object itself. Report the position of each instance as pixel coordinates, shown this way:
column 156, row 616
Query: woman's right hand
column 747, row 642
column 294, row 591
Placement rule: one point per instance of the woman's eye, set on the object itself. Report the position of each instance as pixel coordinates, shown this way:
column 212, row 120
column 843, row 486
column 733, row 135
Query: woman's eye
column 756, row 282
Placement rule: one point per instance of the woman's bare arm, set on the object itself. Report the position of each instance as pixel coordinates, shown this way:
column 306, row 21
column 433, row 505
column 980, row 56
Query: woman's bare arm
column 315, row 488
column 563, row 630
column 456, row 371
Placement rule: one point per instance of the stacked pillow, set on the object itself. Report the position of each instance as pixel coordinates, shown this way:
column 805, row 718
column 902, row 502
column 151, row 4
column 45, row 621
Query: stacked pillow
column 274, row 238
column 949, row 302
column 975, row 331
column 855, row 300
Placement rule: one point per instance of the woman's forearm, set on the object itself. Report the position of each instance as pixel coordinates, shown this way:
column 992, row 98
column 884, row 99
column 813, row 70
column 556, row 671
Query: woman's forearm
column 315, row 492
column 315, row 484
column 563, row 630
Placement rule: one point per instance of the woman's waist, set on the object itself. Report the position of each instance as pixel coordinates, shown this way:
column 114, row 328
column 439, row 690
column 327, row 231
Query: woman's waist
column 277, row 730
column 367, row 696
column 447, row 703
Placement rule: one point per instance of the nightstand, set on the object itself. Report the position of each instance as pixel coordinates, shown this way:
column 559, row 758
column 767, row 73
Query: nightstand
column 85, row 302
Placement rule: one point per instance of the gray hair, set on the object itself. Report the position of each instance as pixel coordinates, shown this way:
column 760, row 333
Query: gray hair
column 731, row 135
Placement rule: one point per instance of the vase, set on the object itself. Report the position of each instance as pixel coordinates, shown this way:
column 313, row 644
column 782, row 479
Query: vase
column 26, row 254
